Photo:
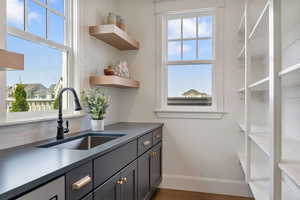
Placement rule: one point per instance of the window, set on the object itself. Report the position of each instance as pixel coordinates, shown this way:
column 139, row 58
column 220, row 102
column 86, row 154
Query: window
column 39, row 30
column 190, row 59
column 190, row 53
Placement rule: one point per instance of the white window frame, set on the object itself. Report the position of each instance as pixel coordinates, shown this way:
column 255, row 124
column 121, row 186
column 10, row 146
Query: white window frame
column 68, row 57
column 163, row 109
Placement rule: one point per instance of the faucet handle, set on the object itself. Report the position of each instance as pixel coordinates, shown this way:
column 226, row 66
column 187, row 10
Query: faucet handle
column 66, row 130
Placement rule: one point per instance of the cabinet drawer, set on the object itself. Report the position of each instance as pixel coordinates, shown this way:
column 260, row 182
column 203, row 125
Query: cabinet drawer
column 157, row 136
column 112, row 162
column 79, row 182
column 54, row 190
column 144, row 143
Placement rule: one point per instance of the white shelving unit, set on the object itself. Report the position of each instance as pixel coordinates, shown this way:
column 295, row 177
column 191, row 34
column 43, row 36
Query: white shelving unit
column 269, row 37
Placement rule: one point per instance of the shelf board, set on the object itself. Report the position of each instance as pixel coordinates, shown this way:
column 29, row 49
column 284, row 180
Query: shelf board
column 242, row 127
column 290, row 75
column 242, row 90
column 114, row 81
column 262, row 141
column 114, row 36
column 256, row 170
column 290, row 147
column 242, row 160
column 11, row 61
column 292, row 170
column 241, row 55
column 260, row 85
column 259, row 20
column 260, row 189
column 289, row 70
column 241, row 28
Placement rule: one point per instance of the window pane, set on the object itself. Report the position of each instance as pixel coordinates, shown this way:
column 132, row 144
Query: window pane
column 174, row 29
column 205, row 49
column 41, row 78
column 174, row 51
column 55, row 28
column 37, row 19
column 195, row 86
column 189, row 50
column 57, row 5
column 205, row 26
column 15, row 13
column 189, row 27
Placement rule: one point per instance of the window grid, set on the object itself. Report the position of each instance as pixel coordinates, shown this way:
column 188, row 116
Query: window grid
column 25, row 34
column 197, row 39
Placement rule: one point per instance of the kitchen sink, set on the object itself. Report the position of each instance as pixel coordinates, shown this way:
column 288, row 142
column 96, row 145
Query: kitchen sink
column 83, row 142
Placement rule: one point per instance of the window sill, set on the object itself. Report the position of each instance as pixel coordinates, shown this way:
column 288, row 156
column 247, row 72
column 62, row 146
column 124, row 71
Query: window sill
column 38, row 119
column 181, row 114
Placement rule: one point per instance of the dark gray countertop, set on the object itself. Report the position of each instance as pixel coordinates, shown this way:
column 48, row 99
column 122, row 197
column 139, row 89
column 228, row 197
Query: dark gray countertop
column 26, row 167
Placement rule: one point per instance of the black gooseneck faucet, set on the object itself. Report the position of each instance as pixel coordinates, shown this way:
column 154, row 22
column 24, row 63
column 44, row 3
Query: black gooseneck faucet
column 60, row 127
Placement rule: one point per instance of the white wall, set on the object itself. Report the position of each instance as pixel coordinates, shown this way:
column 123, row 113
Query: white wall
column 199, row 155
column 94, row 56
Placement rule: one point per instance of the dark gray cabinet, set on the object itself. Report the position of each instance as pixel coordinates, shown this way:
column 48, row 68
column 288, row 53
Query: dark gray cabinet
column 88, row 197
column 122, row 186
column 144, row 187
column 156, row 166
column 150, row 172
column 107, row 165
column 79, row 182
column 110, row 190
column 55, row 190
column 132, row 171
column 130, row 182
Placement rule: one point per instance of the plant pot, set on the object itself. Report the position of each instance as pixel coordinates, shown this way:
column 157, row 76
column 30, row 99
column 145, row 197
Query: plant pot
column 97, row 125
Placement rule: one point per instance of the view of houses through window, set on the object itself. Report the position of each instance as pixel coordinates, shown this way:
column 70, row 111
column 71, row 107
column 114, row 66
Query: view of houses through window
column 190, row 60
column 36, row 88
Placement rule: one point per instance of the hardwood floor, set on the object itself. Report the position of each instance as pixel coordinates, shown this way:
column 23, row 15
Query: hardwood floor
column 164, row 194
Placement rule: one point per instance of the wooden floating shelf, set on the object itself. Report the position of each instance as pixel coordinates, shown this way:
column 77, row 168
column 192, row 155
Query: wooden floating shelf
column 116, row 37
column 11, row 61
column 114, row 81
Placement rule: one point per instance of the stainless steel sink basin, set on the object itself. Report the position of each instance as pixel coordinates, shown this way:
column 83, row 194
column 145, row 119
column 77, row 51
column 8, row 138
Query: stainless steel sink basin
column 83, row 142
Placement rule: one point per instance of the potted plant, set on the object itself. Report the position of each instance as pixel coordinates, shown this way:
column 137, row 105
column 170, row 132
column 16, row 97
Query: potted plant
column 96, row 102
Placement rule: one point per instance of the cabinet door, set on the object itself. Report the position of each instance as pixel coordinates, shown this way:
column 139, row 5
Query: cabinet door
column 110, row 190
column 79, row 182
column 156, row 166
column 144, row 188
column 54, row 190
column 129, row 182
column 88, row 197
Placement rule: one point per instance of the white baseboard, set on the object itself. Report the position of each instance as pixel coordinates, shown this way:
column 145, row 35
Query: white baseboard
column 207, row 185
